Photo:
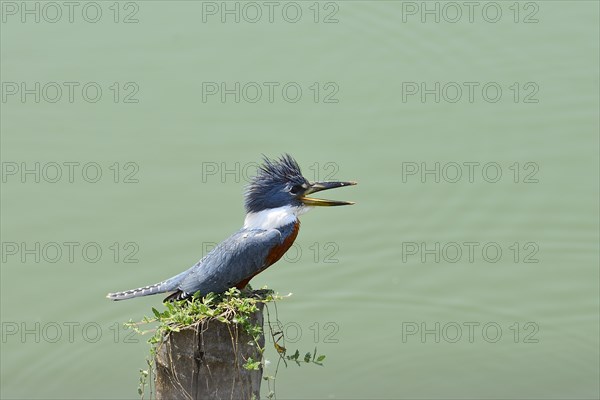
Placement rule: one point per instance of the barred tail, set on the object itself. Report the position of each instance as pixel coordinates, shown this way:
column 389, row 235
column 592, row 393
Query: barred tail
column 143, row 291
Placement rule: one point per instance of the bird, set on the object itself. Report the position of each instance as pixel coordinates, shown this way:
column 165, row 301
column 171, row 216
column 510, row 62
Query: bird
column 274, row 199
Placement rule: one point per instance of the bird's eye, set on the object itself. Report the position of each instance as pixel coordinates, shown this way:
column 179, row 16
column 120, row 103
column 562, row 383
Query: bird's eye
column 296, row 189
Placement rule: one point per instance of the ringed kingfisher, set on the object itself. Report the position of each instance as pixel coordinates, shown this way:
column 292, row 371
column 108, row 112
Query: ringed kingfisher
column 274, row 199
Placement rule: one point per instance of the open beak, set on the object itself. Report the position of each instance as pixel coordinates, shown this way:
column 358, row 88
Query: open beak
column 319, row 186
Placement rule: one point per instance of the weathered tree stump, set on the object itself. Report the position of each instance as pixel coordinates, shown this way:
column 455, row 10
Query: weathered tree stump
column 206, row 362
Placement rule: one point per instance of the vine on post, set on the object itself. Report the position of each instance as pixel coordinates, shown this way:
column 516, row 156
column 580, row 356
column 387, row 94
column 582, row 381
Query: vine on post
column 234, row 308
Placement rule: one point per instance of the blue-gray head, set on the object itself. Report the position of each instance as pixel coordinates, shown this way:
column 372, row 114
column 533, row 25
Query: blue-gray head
column 279, row 183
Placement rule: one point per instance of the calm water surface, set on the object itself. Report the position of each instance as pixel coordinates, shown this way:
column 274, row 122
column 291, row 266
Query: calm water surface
column 460, row 283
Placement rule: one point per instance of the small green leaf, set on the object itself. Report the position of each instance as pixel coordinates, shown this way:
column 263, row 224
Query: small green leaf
column 295, row 355
column 307, row 357
column 251, row 364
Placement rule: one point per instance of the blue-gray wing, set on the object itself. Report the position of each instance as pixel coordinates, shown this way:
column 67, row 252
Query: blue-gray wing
column 234, row 260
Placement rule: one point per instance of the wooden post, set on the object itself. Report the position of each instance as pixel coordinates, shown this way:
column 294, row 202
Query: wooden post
column 206, row 362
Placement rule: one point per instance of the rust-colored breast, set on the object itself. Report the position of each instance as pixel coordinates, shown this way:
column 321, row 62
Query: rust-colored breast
column 275, row 254
column 278, row 251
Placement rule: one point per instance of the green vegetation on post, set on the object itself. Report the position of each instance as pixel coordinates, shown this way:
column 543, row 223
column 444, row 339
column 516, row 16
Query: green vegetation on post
column 231, row 307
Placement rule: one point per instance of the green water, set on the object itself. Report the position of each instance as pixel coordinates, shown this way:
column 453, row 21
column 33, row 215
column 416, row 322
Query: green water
column 368, row 291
